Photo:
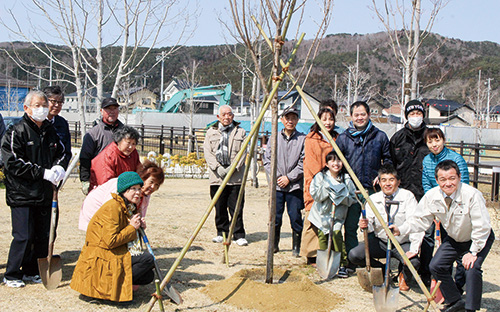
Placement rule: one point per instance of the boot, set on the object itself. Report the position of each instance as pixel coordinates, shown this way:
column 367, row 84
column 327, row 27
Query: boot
column 402, row 283
column 296, row 238
column 277, row 231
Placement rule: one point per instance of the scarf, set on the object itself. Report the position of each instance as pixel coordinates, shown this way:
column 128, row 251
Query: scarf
column 361, row 133
column 222, row 153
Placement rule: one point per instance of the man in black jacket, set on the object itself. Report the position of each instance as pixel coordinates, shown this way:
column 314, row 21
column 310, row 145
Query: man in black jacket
column 408, row 149
column 97, row 138
column 34, row 160
column 55, row 98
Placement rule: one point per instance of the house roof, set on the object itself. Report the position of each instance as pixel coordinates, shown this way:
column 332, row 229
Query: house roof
column 92, row 92
column 438, row 121
column 443, row 105
column 134, row 90
column 494, row 109
column 14, row 83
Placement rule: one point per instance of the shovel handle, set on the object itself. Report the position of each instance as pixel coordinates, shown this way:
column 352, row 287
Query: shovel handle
column 365, row 233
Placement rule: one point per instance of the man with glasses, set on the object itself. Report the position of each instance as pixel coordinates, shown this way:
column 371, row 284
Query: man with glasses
column 34, row 160
column 55, row 98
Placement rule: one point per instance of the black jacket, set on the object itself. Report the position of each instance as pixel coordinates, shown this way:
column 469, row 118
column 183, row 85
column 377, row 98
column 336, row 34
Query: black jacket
column 408, row 150
column 94, row 141
column 27, row 151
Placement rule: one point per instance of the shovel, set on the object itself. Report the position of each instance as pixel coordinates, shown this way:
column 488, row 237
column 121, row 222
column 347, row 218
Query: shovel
column 385, row 297
column 169, row 290
column 50, row 267
column 368, row 276
column 328, row 261
column 438, row 296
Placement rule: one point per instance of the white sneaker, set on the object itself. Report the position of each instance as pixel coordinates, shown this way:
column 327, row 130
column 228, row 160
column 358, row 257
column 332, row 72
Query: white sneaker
column 218, row 239
column 36, row 279
column 241, row 242
column 13, row 283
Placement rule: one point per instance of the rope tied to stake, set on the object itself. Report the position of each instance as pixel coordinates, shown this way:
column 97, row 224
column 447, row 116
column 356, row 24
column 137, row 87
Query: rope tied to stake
column 157, row 296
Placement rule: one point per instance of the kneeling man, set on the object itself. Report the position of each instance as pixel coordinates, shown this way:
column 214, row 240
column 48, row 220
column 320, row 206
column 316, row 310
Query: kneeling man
column 389, row 183
column 462, row 211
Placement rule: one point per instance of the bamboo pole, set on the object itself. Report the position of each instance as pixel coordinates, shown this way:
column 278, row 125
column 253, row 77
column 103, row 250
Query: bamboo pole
column 239, row 206
column 359, row 185
column 254, row 129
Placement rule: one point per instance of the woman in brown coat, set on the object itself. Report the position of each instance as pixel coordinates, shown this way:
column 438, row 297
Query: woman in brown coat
column 106, row 269
column 316, row 147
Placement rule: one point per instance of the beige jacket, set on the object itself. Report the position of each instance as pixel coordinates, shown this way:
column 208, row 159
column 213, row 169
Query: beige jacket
column 466, row 220
column 407, row 208
column 212, row 139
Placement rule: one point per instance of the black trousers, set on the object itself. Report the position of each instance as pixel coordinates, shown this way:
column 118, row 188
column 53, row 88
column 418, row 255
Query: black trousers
column 441, row 264
column 142, row 269
column 227, row 202
column 294, row 205
column 30, row 232
column 378, row 250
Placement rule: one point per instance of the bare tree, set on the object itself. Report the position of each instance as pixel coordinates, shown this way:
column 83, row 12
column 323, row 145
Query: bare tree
column 274, row 17
column 81, row 25
column 191, row 81
column 405, row 37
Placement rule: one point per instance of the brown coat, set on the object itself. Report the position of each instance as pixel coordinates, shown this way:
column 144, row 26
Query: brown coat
column 104, row 268
column 315, row 150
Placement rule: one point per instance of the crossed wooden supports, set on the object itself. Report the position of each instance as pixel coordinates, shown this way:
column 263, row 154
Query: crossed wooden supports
column 253, row 135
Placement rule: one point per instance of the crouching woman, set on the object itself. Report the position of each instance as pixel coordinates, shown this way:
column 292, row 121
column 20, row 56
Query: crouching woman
column 111, row 260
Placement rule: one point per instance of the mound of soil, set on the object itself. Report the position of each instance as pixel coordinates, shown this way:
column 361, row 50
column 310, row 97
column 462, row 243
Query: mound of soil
column 290, row 291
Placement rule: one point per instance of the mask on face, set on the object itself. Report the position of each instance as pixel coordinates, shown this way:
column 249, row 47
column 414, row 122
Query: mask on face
column 40, row 113
column 415, row 122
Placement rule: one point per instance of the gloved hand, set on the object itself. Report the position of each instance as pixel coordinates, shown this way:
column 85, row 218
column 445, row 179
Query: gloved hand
column 50, row 176
column 222, row 172
column 60, row 172
column 85, row 187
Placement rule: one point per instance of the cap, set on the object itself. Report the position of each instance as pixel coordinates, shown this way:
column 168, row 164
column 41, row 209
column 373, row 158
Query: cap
column 109, row 102
column 290, row 110
column 414, row 105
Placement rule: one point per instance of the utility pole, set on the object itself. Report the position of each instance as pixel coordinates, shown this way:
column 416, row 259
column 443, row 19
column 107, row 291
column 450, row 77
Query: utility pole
column 416, row 43
column 242, row 90
column 478, row 105
column 402, row 94
column 356, row 78
column 50, row 70
column 488, row 104
column 161, row 58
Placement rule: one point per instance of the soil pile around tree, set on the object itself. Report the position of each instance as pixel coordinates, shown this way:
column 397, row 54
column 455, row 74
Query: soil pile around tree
column 290, row 291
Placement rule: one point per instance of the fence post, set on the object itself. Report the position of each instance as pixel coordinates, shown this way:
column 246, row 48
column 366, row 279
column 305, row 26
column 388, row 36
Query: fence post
column 192, row 140
column 462, row 148
column 183, row 136
column 77, row 132
column 476, row 165
column 495, row 183
column 142, row 137
column 162, row 144
column 171, row 140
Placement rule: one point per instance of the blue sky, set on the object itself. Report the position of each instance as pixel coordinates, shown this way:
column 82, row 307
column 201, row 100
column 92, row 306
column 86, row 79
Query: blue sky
column 467, row 20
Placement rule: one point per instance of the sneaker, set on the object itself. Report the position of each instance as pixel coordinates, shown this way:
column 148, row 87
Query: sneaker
column 218, row 239
column 35, row 279
column 342, row 273
column 13, row 283
column 241, row 242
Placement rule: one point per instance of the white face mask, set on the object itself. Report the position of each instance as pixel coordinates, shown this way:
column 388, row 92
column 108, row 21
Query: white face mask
column 415, row 122
column 40, row 113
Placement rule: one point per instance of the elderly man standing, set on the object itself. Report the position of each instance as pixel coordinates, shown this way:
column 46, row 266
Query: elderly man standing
column 34, row 160
column 462, row 211
column 55, row 98
column 97, row 138
column 223, row 141
column 290, row 177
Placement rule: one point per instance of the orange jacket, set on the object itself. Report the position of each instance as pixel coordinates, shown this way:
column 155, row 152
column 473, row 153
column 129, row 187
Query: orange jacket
column 316, row 149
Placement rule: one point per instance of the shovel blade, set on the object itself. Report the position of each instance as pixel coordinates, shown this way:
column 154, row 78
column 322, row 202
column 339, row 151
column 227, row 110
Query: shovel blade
column 50, row 271
column 439, row 296
column 368, row 279
column 385, row 299
column 327, row 263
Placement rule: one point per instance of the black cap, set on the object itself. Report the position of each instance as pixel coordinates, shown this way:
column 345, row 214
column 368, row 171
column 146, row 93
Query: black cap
column 414, row 105
column 109, row 102
column 290, row 110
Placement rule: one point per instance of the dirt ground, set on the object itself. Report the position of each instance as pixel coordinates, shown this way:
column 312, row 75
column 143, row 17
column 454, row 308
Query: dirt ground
column 174, row 212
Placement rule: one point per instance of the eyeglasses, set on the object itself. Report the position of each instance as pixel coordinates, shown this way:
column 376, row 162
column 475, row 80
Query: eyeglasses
column 54, row 102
